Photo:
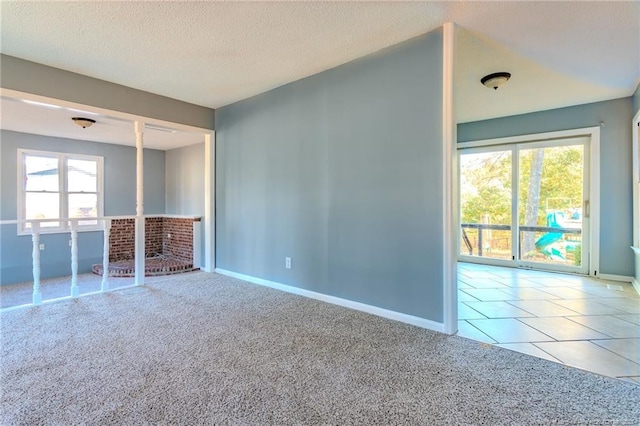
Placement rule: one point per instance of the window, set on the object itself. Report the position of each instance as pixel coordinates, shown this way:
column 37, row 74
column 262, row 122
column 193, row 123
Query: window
column 55, row 185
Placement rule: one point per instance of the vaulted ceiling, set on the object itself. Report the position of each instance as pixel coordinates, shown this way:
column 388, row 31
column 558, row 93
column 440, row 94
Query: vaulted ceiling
column 215, row 53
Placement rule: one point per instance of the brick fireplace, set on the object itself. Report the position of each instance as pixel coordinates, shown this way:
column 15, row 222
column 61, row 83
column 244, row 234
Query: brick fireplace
column 169, row 246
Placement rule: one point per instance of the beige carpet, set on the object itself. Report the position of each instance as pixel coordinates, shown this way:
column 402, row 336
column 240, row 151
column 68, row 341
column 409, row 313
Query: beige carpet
column 206, row 349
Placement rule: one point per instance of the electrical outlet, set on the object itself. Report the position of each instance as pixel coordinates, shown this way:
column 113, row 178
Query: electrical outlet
column 287, row 262
column 42, row 246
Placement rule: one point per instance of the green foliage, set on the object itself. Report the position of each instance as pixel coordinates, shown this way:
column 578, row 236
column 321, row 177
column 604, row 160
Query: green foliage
column 577, row 255
column 485, row 182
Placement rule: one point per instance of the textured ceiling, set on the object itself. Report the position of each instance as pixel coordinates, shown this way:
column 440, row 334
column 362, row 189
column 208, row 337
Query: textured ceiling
column 215, row 53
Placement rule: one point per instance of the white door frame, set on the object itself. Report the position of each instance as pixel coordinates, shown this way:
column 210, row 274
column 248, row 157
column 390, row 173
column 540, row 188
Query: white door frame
column 635, row 131
column 593, row 133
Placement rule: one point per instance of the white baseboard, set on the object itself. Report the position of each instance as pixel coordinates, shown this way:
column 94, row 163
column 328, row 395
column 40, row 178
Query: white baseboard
column 374, row 310
column 612, row 277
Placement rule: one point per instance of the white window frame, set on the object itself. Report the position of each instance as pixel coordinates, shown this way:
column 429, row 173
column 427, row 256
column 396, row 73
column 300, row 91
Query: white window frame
column 63, row 192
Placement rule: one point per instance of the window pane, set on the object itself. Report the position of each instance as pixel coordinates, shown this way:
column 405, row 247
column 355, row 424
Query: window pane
column 485, row 203
column 82, row 176
column 41, row 174
column 40, row 205
column 83, row 205
column 550, row 204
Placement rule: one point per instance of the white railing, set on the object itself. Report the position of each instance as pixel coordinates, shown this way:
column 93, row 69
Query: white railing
column 73, row 228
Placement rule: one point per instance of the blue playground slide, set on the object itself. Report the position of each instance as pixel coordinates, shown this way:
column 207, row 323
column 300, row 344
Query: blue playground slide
column 545, row 243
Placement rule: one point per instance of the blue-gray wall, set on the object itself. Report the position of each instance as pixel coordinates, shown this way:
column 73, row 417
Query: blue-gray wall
column 616, row 201
column 31, row 77
column 184, row 168
column 119, row 199
column 341, row 171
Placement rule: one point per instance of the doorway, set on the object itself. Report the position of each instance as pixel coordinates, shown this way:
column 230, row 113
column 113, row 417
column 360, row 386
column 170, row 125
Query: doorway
column 526, row 202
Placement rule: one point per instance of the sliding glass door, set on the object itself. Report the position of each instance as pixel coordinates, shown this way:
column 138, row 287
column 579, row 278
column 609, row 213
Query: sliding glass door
column 524, row 205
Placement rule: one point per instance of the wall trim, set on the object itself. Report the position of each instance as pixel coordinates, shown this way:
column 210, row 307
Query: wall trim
column 636, row 285
column 449, row 179
column 613, row 277
column 373, row 310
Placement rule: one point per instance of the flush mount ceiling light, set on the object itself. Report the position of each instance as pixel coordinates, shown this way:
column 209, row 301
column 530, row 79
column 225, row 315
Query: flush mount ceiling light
column 83, row 122
column 495, row 80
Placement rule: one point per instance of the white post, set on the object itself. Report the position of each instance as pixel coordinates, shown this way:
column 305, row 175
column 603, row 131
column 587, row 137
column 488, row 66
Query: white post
column 140, row 237
column 35, row 255
column 209, row 225
column 75, row 291
column 449, row 183
column 105, row 255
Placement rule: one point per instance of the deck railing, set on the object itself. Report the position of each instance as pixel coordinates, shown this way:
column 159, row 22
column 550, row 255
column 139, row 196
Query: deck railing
column 485, row 226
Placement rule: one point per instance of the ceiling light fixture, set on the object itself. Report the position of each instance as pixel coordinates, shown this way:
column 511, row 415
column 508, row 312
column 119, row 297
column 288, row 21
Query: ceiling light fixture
column 495, row 80
column 83, row 122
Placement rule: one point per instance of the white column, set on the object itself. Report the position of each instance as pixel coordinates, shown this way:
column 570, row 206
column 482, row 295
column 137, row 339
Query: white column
column 139, row 241
column 105, row 255
column 35, row 256
column 449, row 178
column 209, row 225
column 75, row 291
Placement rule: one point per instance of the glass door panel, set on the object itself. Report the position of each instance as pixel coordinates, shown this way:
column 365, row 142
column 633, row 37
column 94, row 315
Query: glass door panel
column 486, row 204
column 550, row 200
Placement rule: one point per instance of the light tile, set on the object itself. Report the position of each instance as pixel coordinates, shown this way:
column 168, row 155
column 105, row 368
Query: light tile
column 498, row 310
column 629, row 306
column 465, row 297
column 484, row 283
column 465, row 313
column 488, row 294
column 563, row 329
column 519, row 283
column 553, row 282
column 509, row 330
column 632, row 318
column 479, row 274
column 532, row 297
column 588, row 307
column 579, row 279
column 609, row 325
column 529, row 349
column 462, row 285
column 568, row 293
column 613, row 290
column 591, row 357
column 529, row 294
column 542, row 308
column 628, row 348
column 470, row 332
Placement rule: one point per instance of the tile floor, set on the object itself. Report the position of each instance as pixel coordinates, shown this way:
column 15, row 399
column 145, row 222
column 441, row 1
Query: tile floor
column 578, row 321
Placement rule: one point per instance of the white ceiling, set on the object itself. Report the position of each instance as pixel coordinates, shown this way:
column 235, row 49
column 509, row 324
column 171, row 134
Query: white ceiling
column 214, row 53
